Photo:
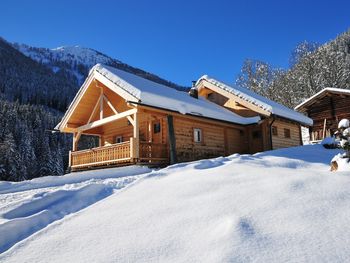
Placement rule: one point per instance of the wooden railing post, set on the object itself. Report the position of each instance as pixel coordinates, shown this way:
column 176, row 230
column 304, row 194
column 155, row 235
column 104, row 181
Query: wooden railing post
column 136, row 136
column 132, row 146
column 70, row 159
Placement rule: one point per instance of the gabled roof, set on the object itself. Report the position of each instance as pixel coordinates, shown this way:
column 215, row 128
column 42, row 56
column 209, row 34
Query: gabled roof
column 320, row 94
column 138, row 90
column 256, row 100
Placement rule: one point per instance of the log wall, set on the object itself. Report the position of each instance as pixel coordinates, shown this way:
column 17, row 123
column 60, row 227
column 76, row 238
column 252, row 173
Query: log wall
column 216, row 140
column 333, row 108
column 280, row 141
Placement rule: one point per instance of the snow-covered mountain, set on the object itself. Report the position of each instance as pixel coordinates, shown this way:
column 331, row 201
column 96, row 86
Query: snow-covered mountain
column 76, row 61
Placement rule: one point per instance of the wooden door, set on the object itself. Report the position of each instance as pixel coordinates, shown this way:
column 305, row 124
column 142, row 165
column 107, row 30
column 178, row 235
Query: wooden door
column 256, row 140
column 157, row 131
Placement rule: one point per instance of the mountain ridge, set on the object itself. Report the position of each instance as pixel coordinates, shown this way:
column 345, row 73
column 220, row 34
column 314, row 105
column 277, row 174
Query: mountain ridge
column 77, row 61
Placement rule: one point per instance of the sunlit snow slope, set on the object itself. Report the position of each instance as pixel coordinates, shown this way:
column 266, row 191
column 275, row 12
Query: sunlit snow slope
column 279, row 206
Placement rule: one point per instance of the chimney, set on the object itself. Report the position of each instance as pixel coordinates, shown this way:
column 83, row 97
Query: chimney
column 193, row 91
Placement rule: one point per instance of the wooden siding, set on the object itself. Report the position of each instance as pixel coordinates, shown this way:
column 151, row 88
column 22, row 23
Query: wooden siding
column 236, row 141
column 216, row 140
column 280, row 141
column 117, row 128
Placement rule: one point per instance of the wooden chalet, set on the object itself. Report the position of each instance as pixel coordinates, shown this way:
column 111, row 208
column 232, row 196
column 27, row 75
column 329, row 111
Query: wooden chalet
column 326, row 108
column 139, row 121
column 279, row 126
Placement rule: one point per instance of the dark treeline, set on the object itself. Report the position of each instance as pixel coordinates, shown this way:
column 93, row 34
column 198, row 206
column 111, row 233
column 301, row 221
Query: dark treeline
column 27, row 149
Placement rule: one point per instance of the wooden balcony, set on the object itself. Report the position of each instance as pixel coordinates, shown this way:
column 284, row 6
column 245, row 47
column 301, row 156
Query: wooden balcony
column 119, row 154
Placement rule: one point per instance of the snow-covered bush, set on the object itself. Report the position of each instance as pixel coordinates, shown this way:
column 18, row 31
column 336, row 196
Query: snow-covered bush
column 342, row 161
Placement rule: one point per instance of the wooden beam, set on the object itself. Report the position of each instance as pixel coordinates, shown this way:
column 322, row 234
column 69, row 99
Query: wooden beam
column 150, row 133
column 75, row 142
column 324, row 128
column 106, row 120
column 136, row 136
column 114, row 87
column 115, row 111
column 101, row 104
column 110, row 104
column 94, row 110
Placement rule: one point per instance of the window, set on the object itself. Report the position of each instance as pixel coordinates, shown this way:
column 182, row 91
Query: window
column 197, row 135
column 286, row 133
column 256, row 134
column 128, row 123
column 156, row 127
column 274, row 131
column 118, row 139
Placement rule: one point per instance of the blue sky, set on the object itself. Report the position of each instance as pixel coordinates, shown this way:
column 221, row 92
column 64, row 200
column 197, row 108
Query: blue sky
column 178, row 40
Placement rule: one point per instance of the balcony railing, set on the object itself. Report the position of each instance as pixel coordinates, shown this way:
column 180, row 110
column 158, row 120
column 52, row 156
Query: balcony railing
column 119, row 153
column 112, row 154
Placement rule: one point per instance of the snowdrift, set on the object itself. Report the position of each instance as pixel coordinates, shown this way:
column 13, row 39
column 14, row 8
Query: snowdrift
column 278, row 206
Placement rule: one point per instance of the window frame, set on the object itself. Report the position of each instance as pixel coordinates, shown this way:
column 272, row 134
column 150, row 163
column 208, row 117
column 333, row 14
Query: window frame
column 118, row 137
column 195, row 137
column 257, row 134
column 157, row 127
column 274, row 131
column 287, row 133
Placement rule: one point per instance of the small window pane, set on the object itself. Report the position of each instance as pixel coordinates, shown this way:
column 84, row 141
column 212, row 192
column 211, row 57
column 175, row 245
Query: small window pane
column 197, row 133
column 256, row 134
column 118, row 139
column 287, row 133
column 274, row 130
column 156, row 127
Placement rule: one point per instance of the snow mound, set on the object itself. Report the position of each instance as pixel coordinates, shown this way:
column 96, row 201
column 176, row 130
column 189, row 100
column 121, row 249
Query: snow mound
column 277, row 206
column 29, row 206
column 344, row 123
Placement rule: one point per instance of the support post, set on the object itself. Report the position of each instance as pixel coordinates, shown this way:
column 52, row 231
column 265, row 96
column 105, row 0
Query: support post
column 171, row 139
column 324, row 129
column 132, row 148
column 101, row 104
column 75, row 142
column 70, row 159
column 150, row 133
column 136, row 136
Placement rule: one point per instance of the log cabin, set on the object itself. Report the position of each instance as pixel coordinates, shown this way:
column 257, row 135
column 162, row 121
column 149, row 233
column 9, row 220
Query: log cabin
column 326, row 108
column 279, row 126
column 138, row 121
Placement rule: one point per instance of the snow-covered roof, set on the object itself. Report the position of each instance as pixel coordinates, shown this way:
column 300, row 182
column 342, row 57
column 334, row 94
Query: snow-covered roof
column 153, row 94
column 321, row 93
column 259, row 101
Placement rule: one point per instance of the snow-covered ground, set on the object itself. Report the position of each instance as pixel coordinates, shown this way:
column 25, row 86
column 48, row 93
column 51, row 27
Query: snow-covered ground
column 278, row 206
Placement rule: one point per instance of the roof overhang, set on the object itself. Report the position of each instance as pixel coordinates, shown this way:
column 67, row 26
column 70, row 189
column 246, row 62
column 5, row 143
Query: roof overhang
column 204, row 83
column 94, row 75
column 302, row 107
